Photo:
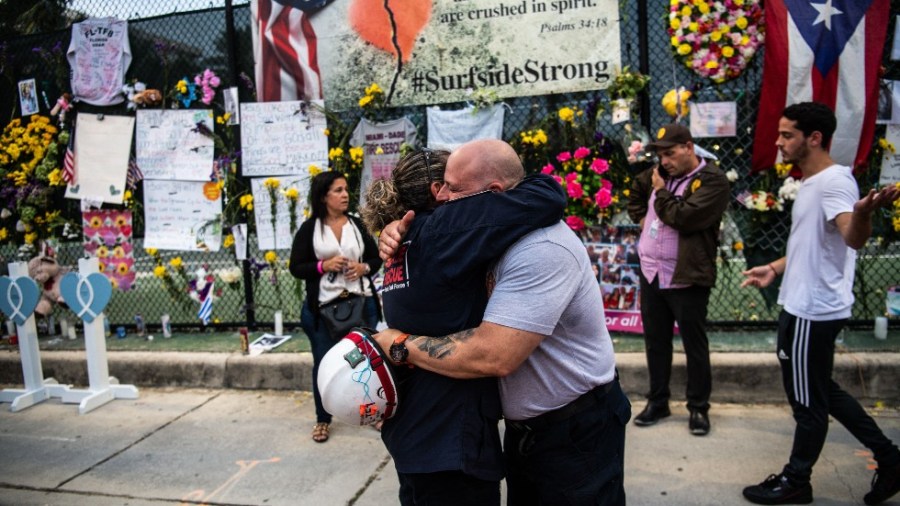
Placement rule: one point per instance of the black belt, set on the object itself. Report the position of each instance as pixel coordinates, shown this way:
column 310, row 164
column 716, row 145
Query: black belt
column 587, row 400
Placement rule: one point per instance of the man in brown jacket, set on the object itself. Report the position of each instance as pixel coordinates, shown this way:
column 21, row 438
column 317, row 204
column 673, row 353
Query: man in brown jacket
column 679, row 238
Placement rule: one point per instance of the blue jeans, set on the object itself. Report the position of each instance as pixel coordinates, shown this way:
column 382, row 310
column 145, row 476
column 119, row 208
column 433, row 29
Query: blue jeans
column 320, row 342
column 579, row 460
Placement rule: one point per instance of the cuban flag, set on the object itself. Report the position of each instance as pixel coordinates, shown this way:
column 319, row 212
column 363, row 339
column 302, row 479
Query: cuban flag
column 285, row 50
column 825, row 51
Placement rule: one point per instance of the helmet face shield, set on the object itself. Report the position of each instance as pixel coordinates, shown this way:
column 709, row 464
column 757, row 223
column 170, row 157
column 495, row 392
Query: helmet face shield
column 356, row 382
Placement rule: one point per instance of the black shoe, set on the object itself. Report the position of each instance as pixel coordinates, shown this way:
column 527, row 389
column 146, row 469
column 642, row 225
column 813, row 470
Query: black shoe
column 779, row 490
column 885, row 484
column 651, row 414
column 699, row 423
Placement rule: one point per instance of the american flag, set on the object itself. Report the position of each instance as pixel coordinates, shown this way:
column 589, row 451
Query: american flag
column 284, row 47
column 68, row 168
column 826, row 52
column 133, row 175
column 205, row 312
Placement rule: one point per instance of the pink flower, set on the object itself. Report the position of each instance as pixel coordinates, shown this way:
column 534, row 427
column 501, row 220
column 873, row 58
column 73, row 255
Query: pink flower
column 603, row 198
column 606, row 184
column 563, row 157
column 582, row 152
column 571, row 177
column 549, row 168
column 575, row 223
column 574, row 189
column 599, row 165
column 558, row 179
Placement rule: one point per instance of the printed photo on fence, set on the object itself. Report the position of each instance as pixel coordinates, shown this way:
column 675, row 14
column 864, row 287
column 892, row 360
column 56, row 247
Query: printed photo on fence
column 614, row 258
column 107, row 236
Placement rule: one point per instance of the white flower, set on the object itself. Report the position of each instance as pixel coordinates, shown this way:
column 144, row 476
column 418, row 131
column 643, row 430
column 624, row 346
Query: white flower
column 732, row 175
column 231, row 275
column 789, row 189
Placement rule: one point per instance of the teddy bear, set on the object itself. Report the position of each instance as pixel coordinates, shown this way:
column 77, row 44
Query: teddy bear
column 48, row 274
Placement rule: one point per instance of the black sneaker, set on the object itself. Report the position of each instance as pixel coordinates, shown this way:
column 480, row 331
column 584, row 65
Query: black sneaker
column 779, row 490
column 885, row 484
column 651, row 414
column 699, row 423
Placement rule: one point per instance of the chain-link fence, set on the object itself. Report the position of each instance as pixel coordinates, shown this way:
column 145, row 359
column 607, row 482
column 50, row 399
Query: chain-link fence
column 192, row 34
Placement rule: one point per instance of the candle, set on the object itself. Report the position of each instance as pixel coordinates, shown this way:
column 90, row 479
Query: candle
column 279, row 323
column 72, row 332
column 64, row 327
column 51, row 325
column 166, row 326
column 10, row 328
column 881, row 324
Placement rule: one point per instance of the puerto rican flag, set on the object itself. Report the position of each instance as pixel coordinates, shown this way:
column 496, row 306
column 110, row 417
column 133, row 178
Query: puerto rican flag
column 824, row 51
column 285, row 50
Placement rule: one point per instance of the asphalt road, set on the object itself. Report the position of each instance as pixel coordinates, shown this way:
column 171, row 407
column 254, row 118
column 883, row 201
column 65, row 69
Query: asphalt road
column 239, row 447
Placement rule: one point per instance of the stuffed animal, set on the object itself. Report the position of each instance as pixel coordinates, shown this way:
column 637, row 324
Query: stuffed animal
column 148, row 97
column 47, row 273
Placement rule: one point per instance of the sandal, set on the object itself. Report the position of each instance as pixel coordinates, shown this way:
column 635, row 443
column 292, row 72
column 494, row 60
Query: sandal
column 320, row 432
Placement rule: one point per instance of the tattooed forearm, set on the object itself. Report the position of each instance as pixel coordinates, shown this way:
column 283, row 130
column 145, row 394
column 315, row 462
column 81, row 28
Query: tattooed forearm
column 440, row 347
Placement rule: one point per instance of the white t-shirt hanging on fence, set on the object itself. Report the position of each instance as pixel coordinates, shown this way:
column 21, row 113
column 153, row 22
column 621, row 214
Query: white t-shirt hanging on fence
column 388, row 136
column 450, row 129
column 99, row 55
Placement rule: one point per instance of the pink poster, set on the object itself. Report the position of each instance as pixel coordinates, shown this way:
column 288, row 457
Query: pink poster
column 107, row 236
column 613, row 253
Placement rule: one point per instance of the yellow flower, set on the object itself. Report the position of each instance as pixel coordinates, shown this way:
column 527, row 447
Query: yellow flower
column 181, row 86
column 738, row 246
column 3, row 234
column 228, row 241
column 686, row 11
column 246, row 202
column 223, row 119
column 176, row 262
column 102, row 252
column 696, row 184
column 356, row 154
column 684, row 49
column 567, row 114
column 712, row 64
column 694, row 26
column 373, row 89
column 271, row 257
column 159, row 271
column 738, row 2
column 30, row 238
column 122, row 268
column 119, row 252
column 675, row 23
column 101, row 266
column 727, row 51
column 327, row 132
column 220, row 184
column 745, row 39
column 783, row 169
column 675, row 41
column 703, row 7
column 272, row 183
column 335, row 153
column 127, row 195
column 314, row 170
column 54, row 178
column 151, row 251
column 366, row 100
column 96, row 222
column 741, row 22
column 715, row 36
column 292, row 194
column 626, row 192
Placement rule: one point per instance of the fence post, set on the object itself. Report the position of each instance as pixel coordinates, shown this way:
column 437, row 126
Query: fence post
column 644, row 60
column 249, row 302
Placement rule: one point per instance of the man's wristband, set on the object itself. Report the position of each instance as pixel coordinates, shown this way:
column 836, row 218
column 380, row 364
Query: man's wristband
column 773, row 268
column 319, row 267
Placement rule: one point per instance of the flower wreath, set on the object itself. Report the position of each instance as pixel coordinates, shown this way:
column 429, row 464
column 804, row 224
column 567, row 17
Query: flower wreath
column 716, row 38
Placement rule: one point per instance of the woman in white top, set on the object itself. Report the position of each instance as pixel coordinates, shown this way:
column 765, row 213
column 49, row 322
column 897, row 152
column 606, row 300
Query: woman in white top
column 333, row 253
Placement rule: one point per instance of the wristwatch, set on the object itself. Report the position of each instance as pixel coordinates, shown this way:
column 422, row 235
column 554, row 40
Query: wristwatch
column 399, row 352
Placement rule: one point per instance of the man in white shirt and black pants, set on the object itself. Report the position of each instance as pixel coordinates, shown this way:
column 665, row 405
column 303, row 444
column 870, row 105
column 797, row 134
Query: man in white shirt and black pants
column 829, row 222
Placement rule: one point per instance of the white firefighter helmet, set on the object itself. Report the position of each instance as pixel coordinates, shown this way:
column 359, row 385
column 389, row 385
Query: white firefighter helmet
column 355, row 380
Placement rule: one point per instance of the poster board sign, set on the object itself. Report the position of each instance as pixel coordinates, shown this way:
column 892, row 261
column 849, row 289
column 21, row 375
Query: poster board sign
column 182, row 215
column 280, row 236
column 443, row 48
column 890, row 163
column 283, row 138
column 713, row 119
column 169, row 145
column 102, row 148
column 107, row 237
column 613, row 254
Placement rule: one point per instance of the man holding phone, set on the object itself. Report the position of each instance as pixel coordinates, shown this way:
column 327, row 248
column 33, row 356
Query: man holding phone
column 677, row 249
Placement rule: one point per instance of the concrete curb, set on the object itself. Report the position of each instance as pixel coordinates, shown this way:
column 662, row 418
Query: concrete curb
column 737, row 377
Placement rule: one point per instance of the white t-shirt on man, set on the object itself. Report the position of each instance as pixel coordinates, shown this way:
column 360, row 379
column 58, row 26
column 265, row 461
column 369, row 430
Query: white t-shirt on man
column 818, row 277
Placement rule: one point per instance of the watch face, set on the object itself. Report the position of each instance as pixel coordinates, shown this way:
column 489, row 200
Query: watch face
column 399, row 353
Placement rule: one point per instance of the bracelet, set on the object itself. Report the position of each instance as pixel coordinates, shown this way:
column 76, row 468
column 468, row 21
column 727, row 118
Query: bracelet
column 773, row 268
column 319, row 267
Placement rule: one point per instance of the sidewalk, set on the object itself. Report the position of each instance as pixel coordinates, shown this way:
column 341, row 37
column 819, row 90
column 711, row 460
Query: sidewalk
column 237, row 447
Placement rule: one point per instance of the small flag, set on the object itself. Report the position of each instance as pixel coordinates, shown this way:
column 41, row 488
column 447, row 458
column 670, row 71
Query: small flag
column 68, row 171
column 206, row 306
column 134, row 174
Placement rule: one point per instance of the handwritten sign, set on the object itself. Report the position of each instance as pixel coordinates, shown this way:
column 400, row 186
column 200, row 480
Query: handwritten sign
column 890, row 164
column 169, row 146
column 280, row 236
column 283, row 138
column 102, row 147
column 178, row 216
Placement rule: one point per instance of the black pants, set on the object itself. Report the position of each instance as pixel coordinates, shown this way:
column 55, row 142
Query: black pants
column 447, row 488
column 576, row 461
column 660, row 309
column 806, row 354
